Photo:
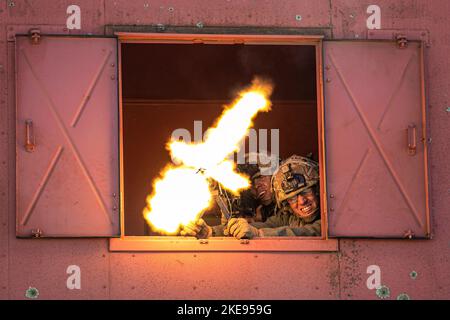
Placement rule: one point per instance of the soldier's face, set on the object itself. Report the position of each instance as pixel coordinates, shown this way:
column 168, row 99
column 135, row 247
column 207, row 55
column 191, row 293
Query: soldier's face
column 304, row 204
column 262, row 189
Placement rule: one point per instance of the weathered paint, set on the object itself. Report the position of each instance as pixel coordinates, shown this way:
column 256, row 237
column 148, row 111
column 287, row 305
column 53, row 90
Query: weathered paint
column 223, row 276
column 63, row 99
column 42, row 263
column 44, row 266
column 220, row 13
column 399, row 258
column 4, row 158
column 368, row 114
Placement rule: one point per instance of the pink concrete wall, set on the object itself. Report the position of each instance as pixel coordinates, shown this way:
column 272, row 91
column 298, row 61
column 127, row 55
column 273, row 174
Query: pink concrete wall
column 42, row 263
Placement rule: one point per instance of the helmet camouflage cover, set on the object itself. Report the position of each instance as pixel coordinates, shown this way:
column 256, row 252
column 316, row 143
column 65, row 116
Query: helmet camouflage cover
column 294, row 175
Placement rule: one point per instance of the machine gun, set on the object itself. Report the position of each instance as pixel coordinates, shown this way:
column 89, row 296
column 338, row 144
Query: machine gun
column 234, row 206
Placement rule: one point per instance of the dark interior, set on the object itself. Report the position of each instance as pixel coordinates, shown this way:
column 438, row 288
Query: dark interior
column 169, row 86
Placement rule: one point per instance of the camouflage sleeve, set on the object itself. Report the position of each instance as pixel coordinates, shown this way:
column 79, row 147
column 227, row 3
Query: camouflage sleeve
column 272, row 222
column 308, row 230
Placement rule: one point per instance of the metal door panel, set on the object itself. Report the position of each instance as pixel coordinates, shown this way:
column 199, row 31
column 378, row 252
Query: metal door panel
column 373, row 92
column 69, row 184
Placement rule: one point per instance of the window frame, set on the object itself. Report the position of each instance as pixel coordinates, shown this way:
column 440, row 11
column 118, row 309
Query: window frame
column 177, row 243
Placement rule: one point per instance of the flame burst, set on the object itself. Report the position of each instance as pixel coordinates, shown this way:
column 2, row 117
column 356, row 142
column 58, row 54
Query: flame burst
column 182, row 192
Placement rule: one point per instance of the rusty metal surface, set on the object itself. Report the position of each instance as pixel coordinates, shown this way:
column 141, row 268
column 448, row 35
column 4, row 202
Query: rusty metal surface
column 14, row 30
column 349, row 16
column 68, row 185
column 3, row 159
column 43, row 264
column 397, row 259
column 202, row 276
column 369, row 109
column 392, row 34
column 290, row 13
column 45, row 12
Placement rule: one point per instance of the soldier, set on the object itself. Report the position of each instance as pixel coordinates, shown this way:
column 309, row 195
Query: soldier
column 254, row 204
column 259, row 167
column 296, row 189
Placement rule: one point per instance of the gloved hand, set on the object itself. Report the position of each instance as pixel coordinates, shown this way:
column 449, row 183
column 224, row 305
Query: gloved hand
column 241, row 229
column 197, row 229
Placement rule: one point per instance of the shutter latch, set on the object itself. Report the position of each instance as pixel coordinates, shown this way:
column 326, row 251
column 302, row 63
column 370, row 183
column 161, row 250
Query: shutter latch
column 35, row 36
column 412, row 137
column 29, row 140
column 402, row 41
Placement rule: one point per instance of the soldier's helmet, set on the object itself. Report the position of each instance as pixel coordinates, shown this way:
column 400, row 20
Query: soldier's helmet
column 294, row 175
column 258, row 164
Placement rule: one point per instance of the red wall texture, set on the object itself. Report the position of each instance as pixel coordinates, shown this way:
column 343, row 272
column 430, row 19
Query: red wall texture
column 199, row 275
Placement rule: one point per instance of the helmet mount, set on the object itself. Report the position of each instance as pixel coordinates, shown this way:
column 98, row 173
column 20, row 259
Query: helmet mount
column 294, row 175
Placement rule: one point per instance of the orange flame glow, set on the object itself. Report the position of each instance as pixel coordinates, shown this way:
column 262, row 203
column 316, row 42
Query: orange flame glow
column 182, row 192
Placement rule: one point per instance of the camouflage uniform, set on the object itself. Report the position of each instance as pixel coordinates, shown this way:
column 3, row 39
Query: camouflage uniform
column 285, row 222
column 269, row 210
column 288, row 225
column 294, row 176
column 255, row 166
column 282, row 224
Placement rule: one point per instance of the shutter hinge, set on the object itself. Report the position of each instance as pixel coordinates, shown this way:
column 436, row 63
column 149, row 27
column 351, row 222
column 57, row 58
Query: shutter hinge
column 35, row 36
column 36, row 233
column 409, row 234
column 402, row 41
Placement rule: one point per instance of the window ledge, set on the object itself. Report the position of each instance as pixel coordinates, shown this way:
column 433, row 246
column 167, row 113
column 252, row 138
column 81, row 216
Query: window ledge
column 276, row 244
